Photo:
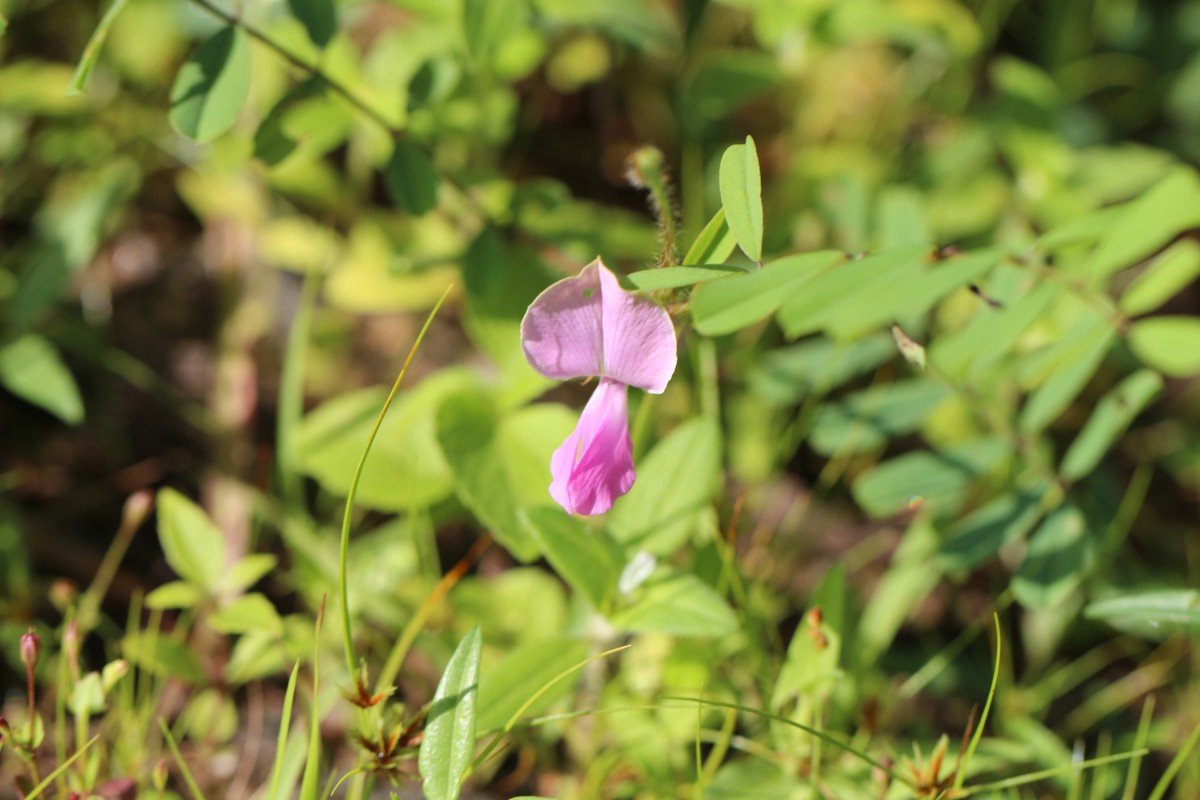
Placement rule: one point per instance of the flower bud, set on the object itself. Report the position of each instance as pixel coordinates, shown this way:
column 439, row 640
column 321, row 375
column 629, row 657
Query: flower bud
column 31, row 647
column 137, row 506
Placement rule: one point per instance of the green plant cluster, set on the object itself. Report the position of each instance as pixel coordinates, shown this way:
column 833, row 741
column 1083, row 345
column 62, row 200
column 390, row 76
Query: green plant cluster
column 915, row 517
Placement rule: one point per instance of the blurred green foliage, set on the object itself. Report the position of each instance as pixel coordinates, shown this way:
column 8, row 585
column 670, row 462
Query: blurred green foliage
column 939, row 347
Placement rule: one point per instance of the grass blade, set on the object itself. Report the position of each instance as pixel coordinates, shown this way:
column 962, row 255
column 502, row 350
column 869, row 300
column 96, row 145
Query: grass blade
column 285, row 722
column 966, row 762
column 1160, row 788
column 348, row 640
column 188, row 778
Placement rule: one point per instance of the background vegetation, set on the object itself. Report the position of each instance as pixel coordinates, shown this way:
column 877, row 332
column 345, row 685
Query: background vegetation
column 931, row 452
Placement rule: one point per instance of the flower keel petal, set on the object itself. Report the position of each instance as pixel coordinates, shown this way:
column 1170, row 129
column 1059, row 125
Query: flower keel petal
column 594, row 466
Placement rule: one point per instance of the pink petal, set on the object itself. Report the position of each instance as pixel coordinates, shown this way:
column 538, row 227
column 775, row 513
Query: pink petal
column 594, row 466
column 639, row 340
column 560, row 333
column 589, row 325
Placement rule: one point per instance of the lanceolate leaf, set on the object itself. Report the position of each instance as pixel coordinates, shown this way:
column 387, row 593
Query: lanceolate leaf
column 714, row 244
column 30, row 368
column 91, row 53
column 449, row 742
column 1112, row 416
column 733, row 303
column 211, row 86
column 741, row 196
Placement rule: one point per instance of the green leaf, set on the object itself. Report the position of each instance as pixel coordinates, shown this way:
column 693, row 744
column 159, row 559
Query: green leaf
column 813, row 308
column 991, row 333
column 1147, row 223
column 1055, row 561
column 249, row 571
column 161, row 655
column 982, row 533
column 678, row 478
column 449, row 742
column 741, row 197
column 1164, row 278
column 31, row 369
column 410, row 178
column 176, row 594
column 318, row 17
column 901, row 218
column 3, row 24
column 752, row 779
column 1169, row 344
column 733, row 303
column 939, row 481
column 649, row 280
column 714, row 244
column 1112, row 416
column 273, row 141
column 522, row 673
column 1155, row 613
column 588, row 560
column 406, row 469
column 679, row 604
column 248, row 614
column 786, row 375
column 501, row 464
column 211, row 86
column 866, row 420
column 191, row 543
column 1074, row 366
column 903, row 296
column 912, row 574
column 91, row 53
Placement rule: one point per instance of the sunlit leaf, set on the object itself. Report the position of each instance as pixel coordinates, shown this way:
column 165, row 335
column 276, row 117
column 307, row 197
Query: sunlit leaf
column 31, row 369
column 733, row 303
column 193, row 546
column 522, row 673
column 1165, row 277
column 920, row 480
column 814, row 307
column 91, row 52
column 1169, row 344
column 251, row 613
column 211, row 86
column 679, row 604
column 981, row 534
column 449, row 741
column 714, row 244
column 588, row 560
column 1108, row 421
column 741, row 197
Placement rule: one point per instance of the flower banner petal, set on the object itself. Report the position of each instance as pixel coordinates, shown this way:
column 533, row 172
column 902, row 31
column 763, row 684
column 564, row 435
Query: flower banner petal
column 639, row 339
column 594, row 466
column 561, row 332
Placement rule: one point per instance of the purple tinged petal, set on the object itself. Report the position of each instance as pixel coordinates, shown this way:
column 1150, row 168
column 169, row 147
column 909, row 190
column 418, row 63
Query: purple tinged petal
column 639, row 339
column 594, row 466
column 589, row 325
column 560, row 333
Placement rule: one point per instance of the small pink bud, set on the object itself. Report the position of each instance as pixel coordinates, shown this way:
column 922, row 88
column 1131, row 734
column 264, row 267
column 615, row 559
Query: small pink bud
column 31, row 647
column 137, row 506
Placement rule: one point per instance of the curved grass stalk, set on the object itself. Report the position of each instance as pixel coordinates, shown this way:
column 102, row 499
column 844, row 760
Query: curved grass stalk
column 516, row 717
column 1033, row 777
column 62, row 768
column 825, row 737
column 960, row 773
column 344, row 590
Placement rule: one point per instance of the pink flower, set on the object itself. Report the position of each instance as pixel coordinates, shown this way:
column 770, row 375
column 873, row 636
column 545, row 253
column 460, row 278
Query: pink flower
column 584, row 326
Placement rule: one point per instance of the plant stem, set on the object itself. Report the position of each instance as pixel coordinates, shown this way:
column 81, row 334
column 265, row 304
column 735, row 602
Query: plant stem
column 336, row 86
column 348, row 640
